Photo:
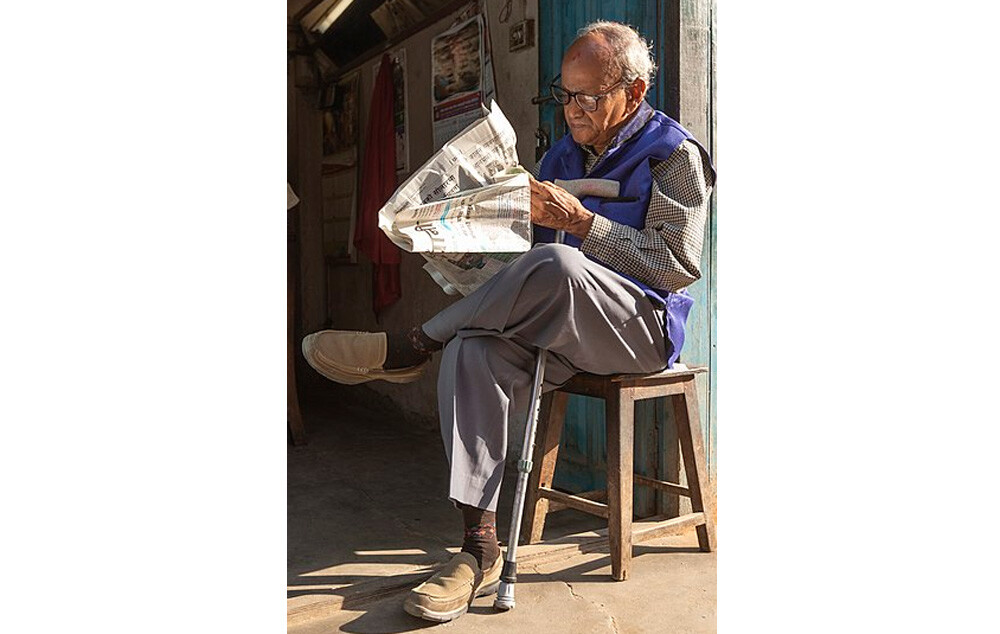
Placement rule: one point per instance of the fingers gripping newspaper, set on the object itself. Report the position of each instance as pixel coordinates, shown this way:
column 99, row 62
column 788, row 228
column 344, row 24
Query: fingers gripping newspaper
column 467, row 210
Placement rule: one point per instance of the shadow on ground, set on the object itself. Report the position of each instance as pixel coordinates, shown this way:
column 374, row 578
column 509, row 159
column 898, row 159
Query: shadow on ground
column 367, row 503
column 368, row 518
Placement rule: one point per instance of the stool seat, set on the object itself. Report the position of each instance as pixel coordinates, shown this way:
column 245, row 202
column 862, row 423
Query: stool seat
column 678, row 369
column 620, row 393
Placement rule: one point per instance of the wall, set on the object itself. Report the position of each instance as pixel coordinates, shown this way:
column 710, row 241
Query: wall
column 349, row 296
column 305, row 151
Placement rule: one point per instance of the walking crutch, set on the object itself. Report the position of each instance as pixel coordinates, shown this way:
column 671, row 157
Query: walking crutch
column 505, row 594
column 508, row 576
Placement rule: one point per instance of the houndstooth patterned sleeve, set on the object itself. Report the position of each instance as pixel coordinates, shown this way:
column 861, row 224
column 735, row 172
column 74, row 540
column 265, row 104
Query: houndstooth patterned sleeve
column 537, row 169
column 667, row 252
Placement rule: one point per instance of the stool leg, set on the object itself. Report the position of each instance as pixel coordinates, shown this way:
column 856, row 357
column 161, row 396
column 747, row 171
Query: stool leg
column 550, row 425
column 693, row 452
column 619, row 418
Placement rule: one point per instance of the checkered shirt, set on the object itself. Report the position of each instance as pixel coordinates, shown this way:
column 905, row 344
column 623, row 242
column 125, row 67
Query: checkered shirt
column 666, row 253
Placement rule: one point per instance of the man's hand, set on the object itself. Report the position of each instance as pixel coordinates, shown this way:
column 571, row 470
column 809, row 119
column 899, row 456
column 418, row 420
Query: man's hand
column 555, row 208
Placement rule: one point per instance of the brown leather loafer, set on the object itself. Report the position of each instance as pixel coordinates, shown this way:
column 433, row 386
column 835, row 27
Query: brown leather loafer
column 448, row 594
column 352, row 357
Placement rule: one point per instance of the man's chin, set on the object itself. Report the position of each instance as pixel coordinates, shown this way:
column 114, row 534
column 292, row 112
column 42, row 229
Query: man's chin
column 582, row 137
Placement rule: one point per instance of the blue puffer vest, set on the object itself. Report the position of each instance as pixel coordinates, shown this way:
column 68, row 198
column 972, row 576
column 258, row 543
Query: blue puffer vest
column 628, row 163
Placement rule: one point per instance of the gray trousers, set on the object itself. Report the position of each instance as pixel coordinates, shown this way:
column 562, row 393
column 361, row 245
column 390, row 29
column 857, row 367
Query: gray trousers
column 587, row 317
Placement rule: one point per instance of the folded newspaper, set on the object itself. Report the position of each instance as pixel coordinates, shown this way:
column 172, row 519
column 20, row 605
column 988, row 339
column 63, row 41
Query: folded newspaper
column 467, row 210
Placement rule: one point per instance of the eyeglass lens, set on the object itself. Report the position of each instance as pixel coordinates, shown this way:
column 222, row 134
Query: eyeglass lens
column 586, row 102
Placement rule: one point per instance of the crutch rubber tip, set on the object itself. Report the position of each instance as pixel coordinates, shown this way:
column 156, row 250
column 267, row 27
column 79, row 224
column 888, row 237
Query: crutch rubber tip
column 509, row 572
column 505, row 596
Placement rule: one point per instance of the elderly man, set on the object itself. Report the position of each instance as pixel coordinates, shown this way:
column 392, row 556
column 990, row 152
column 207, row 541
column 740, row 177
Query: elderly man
column 607, row 301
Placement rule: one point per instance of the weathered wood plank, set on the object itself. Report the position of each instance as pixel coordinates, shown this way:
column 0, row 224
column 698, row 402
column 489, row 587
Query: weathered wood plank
column 550, row 420
column 646, row 531
column 693, row 453
column 599, row 386
column 655, row 390
column 574, row 502
column 600, row 495
column 619, row 413
column 597, row 540
column 645, row 438
column 585, row 388
column 598, row 380
column 662, row 485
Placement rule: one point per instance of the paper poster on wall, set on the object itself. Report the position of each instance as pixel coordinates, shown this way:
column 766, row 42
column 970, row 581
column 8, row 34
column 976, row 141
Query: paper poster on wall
column 400, row 114
column 461, row 79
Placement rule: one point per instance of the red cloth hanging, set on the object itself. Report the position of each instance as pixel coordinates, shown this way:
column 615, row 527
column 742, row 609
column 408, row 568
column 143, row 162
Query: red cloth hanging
column 378, row 182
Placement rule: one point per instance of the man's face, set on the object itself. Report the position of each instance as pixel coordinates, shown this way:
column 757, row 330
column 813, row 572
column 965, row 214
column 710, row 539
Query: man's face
column 583, row 71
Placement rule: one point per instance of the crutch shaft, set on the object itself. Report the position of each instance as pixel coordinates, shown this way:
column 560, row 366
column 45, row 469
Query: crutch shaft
column 525, row 463
column 508, row 576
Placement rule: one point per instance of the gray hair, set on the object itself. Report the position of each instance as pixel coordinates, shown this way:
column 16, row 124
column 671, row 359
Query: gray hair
column 630, row 53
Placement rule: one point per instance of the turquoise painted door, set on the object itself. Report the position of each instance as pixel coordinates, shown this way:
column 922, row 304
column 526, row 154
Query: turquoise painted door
column 582, row 453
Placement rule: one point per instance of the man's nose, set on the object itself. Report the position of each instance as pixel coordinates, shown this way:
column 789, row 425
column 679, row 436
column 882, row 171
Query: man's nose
column 572, row 109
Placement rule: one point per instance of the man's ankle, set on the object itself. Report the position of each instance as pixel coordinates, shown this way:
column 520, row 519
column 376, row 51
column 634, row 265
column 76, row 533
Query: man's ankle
column 400, row 352
column 421, row 342
column 412, row 348
column 480, row 535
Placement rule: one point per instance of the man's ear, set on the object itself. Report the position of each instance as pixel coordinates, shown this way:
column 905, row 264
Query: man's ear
column 637, row 90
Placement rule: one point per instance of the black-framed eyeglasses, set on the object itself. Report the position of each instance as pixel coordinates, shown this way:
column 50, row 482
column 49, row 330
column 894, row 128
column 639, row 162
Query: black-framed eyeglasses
column 587, row 103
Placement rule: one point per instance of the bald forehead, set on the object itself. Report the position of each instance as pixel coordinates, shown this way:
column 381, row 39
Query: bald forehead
column 589, row 56
column 589, row 49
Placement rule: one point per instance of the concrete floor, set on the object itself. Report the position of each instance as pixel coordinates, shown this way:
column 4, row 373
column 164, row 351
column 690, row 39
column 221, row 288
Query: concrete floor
column 368, row 518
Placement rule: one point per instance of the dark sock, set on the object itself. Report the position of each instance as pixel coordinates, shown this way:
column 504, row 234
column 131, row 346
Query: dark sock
column 405, row 350
column 480, row 535
column 421, row 342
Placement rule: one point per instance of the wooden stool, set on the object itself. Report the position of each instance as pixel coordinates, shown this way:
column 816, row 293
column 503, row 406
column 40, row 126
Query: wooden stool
column 620, row 392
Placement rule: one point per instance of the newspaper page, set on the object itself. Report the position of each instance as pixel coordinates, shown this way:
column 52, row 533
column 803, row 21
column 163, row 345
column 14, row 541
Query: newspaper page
column 467, row 210
column 484, row 220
